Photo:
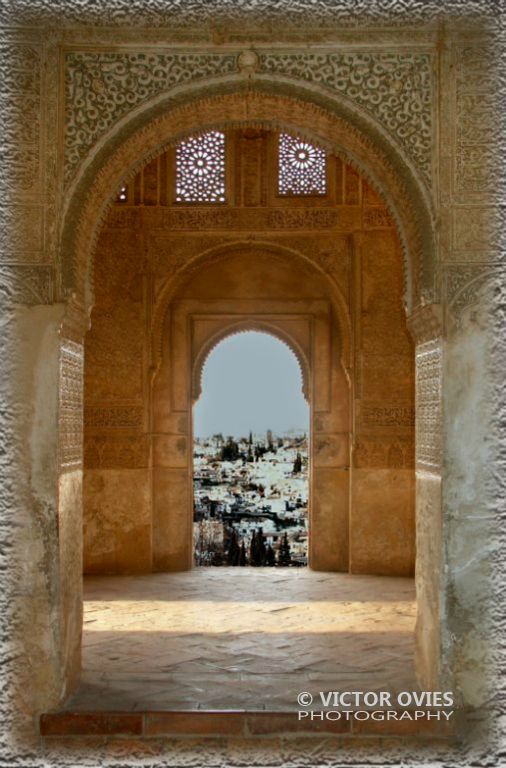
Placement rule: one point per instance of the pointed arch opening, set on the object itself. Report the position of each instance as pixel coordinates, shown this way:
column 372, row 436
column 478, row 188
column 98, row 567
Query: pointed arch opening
column 251, row 441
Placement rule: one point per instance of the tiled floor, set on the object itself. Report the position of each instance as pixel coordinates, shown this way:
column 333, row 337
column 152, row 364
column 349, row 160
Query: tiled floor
column 242, row 638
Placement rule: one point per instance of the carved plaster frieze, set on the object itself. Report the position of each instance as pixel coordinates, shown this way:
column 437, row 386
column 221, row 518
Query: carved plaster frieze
column 389, row 415
column 110, row 451
column 222, row 21
column 428, row 361
column 100, row 88
column 372, row 452
column 21, row 229
column 103, row 87
column 240, row 219
column 396, row 88
column 20, row 119
column 71, row 405
column 477, row 120
column 479, row 228
column 115, row 416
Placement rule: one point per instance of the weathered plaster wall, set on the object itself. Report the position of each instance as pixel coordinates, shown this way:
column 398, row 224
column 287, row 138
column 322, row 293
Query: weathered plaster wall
column 465, row 501
column 48, row 587
column 340, row 248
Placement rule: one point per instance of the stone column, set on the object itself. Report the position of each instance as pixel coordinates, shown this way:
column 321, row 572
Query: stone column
column 172, row 454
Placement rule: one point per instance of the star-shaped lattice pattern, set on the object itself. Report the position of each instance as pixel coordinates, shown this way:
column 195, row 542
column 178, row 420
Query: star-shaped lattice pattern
column 200, row 169
column 302, row 167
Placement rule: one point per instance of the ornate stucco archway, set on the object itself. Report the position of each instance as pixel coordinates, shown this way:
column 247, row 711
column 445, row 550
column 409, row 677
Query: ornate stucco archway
column 438, row 177
column 329, row 122
column 196, row 318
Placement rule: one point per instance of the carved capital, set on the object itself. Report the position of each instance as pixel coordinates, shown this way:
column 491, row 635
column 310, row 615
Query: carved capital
column 426, row 323
column 76, row 321
column 464, row 286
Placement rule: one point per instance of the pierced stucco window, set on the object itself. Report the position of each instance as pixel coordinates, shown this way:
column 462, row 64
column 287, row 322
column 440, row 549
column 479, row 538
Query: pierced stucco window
column 302, row 167
column 200, row 169
column 122, row 195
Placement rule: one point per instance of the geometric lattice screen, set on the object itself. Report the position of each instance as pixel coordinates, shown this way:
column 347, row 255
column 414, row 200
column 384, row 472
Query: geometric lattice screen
column 200, row 169
column 302, row 167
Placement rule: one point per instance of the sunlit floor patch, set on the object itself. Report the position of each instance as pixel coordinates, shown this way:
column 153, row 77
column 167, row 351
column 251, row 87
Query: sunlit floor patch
column 233, row 638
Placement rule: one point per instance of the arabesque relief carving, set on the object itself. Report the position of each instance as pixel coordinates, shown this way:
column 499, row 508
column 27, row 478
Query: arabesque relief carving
column 106, row 451
column 21, row 233
column 201, row 218
column 102, row 87
column 27, row 284
column 71, row 405
column 387, row 415
column 428, row 406
column 113, row 416
column 464, row 287
column 374, row 453
column 21, row 118
column 477, row 123
column 396, row 88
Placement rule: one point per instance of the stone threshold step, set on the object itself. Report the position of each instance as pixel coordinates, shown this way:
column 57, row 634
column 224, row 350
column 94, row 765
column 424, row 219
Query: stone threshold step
column 230, row 723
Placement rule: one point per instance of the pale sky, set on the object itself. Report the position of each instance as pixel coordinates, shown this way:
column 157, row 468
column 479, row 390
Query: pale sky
column 251, row 381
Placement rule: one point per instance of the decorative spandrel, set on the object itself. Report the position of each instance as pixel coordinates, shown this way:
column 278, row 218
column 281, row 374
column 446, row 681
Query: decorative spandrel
column 302, row 167
column 200, row 169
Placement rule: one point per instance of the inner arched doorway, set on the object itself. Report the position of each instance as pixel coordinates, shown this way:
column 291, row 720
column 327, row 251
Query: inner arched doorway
column 324, row 273
column 277, row 291
column 251, row 468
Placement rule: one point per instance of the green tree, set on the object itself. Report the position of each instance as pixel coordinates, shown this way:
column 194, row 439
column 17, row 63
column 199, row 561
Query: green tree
column 233, row 551
column 230, row 451
column 261, row 551
column 270, row 557
column 284, row 554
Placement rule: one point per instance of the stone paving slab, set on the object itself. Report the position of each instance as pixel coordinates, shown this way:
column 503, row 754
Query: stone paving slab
column 234, row 638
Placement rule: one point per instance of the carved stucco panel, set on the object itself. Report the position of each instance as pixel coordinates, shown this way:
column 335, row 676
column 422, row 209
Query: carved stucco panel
column 71, row 405
column 428, row 406
column 102, row 87
column 21, row 233
column 20, row 119
column 477, row 111
column 476, row 228
column 394, row 87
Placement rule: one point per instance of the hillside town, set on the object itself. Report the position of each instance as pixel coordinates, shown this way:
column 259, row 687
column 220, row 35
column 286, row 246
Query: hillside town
column 251, row 500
